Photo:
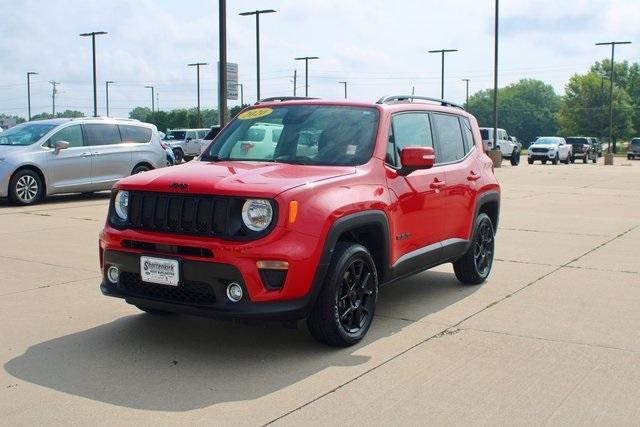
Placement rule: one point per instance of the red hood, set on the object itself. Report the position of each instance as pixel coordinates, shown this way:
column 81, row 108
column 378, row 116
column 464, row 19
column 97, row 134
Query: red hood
column 232, row 178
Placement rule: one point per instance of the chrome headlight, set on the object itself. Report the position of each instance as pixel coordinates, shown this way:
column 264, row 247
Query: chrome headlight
column 121, row 205
column 257, row 214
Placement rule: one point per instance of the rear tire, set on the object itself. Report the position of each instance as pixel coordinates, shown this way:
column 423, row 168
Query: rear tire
column 585, row 159
column 475, row 265
column 530, row 161
column 344, row 310
column 25, row 188
column 544, row 162
column 140, row 169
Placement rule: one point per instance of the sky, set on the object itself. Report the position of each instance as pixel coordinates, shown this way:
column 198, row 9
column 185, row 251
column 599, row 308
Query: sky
column 378, row 46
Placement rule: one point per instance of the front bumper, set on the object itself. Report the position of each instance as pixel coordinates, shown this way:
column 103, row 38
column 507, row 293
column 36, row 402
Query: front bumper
column 549, row 155
column 5, row 176
column 208, row 265
column 201, row 292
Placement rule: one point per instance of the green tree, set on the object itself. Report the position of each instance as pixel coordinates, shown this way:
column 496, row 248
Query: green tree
column 526, row 109
column 584, row 109
column 66, row 114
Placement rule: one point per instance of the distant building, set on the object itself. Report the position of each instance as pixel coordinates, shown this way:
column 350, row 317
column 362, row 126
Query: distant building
column 7, row 122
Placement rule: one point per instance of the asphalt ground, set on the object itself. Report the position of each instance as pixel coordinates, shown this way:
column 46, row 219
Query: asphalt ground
column 553, row 337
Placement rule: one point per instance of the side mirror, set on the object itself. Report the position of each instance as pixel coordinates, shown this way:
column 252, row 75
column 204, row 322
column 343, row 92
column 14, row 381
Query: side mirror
column 60, row 145
column 414, row 158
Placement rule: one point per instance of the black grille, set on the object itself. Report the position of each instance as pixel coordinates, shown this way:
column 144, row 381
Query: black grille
column 539, row 150
column 197, row 293
column 177, row 213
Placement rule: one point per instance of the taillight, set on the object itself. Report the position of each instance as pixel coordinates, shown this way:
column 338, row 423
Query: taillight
column 163, row 145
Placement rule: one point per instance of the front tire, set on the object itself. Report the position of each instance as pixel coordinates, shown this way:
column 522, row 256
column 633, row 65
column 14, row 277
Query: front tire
column 179, row 155
column 585, row 159
column 556, row 159
column 515, row 158
column 25, row 188
column 530, row 161
column 475, row 265
column 344, row 310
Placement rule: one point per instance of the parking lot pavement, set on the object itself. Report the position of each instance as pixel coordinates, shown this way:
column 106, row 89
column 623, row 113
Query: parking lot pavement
column 552, row 337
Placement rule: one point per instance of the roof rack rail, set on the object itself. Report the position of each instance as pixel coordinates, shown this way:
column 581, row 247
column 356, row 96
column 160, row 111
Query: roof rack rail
column 283, row 98
column 386, row 99
column 126, row 119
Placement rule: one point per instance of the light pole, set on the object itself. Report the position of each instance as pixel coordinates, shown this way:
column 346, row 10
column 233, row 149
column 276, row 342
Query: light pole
column 93, row 47
column 613, row 49
column 241, row 86
column 197, row 65
column 106, row 92
column 466, row 104
column 222, row 63
column 442, row 52
column 345, row 89
column 29, row 74
column 54, row 91
column 306, row 71
column 153, row 106
column 257, row 13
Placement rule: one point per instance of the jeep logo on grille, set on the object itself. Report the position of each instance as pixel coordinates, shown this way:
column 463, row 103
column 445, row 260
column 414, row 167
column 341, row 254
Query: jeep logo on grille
column 178, row 186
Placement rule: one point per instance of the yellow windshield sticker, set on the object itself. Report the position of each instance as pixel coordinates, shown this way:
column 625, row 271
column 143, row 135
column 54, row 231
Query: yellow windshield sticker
column 255, row 113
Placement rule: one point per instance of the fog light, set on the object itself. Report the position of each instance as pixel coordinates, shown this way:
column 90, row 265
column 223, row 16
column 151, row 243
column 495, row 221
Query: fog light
column 234, row 292
column 113, row 274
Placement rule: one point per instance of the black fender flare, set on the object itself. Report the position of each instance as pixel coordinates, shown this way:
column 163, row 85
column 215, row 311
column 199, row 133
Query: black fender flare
column 339, row 227
column 483, row 199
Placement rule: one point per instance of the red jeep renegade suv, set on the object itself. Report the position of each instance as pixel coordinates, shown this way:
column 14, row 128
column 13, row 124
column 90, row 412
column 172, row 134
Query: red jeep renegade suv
column 300, row 209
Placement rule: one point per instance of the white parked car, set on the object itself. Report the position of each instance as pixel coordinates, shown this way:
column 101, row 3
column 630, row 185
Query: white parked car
column 185, row 143
column 550, row 148
column 258, row 142
column 508, row 145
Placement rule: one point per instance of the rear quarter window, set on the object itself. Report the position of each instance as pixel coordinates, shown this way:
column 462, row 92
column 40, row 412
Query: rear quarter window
column 136, row 134
column 450, row 141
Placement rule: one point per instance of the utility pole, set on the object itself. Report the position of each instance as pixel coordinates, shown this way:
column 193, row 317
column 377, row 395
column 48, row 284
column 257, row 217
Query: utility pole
column 29, row 74
column 295, row 81
column 257, row 13
column 93, row 47
column 613, row 49
column 442, row 52
column 495, row 77
column 152, row 101
column 306, row 71
column 222, row 72
column 466, row 104
column 158, row 101
column 345, row 89
column 197, row 65
column 53, row 96
column 106, row 84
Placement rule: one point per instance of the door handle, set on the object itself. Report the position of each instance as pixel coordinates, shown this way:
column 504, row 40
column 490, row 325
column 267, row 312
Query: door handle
column 95, row 153
column 473, row 176
column 85, row 155
column 437, row 184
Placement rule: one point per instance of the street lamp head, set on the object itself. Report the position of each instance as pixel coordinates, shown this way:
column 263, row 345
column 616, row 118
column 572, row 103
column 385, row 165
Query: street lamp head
column 195, row 64
column 149, row 87
column 306, row 58
column 94, row 33
column 31, row 73
column 256, row 12
column 610, row 43
column 443, row 50
column 109, row 82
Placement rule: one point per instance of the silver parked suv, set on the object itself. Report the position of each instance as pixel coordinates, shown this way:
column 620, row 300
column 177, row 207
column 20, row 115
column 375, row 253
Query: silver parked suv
column 46, row 157
column 185, row 143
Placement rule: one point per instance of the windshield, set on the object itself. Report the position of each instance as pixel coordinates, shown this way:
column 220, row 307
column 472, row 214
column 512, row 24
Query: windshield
column 24, row 134
column 546, row 141
column 175, row 134
column 574, row 140
column 299, row 134
column 635, row 141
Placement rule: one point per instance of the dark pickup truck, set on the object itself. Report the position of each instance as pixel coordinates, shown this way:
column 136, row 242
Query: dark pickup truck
column 582, row 149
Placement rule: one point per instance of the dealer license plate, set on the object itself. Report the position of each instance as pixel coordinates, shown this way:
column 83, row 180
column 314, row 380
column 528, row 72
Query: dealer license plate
column 159, row 270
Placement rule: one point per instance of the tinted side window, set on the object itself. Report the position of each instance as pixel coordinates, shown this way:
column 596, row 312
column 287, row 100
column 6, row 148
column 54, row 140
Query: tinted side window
column 102, row 134
column 71, row 134
column 450, row 138
column 468, row 135
column 408, row 130
column 192, row 134
column 135, row 134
